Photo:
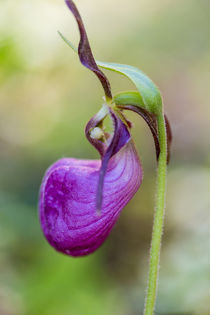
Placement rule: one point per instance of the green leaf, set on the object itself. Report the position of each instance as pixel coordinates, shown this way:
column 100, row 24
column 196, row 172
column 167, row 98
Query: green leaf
column 149, row 95
column 148, row 91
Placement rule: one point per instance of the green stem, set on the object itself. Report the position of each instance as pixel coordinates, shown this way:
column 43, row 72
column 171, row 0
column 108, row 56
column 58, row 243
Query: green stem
column 158, row 220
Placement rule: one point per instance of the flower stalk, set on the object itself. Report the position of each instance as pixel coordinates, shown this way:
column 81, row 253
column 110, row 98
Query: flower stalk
column 158, row 220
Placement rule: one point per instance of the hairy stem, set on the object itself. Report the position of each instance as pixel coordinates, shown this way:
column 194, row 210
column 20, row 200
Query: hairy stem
column 158, row 221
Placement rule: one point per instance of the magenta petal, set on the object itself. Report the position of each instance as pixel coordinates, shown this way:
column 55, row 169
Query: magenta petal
column 67, row 200
column 119, row 138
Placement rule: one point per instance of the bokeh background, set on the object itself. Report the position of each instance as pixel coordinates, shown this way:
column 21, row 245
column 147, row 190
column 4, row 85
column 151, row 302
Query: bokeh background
column 46, row 98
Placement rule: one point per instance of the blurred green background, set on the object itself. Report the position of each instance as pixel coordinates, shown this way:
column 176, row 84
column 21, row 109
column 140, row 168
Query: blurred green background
column 46, row 98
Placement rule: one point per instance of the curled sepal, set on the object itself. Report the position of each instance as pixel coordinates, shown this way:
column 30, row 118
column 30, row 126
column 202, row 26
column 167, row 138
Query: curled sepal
column 131, row 100
column 169, row 138
column 149, row 119
column 67, row 200
column 85, row 53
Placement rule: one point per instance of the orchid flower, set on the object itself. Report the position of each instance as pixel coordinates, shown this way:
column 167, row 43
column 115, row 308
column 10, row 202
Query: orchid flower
column 81, row 200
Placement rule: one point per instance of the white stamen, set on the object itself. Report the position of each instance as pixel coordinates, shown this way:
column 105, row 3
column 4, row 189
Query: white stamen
column 96, row 133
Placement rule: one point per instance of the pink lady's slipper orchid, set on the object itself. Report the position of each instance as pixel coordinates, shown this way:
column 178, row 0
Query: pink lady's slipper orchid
column 80, row 200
